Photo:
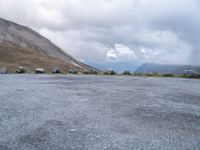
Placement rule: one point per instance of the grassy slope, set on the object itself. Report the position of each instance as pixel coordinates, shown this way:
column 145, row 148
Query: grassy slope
column 12, row 57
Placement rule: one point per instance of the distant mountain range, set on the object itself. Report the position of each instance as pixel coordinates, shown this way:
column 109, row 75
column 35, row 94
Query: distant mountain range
column 21, row 46
column 164, row 68
column 116, row 66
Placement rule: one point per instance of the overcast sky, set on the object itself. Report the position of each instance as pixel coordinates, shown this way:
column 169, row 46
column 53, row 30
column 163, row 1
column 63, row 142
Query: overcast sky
column 159, row 31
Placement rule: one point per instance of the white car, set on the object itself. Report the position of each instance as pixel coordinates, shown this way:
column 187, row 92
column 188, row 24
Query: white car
column 191, row 73
column 39, row 70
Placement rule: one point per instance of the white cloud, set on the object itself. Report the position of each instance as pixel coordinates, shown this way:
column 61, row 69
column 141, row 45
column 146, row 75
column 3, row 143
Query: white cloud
column 120, row 53
column 165, row 46
column 162, row 31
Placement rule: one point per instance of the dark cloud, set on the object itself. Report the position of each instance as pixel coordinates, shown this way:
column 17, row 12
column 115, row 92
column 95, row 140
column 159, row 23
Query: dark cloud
column 161, row 31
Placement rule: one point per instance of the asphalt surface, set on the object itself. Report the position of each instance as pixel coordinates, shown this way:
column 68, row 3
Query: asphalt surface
column 47, row 112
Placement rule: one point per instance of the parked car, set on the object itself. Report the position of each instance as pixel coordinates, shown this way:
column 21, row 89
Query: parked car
column 39, row 70
column 72, row 71
column 20, row 70
column 191, row 74
column 3, row 71
column 56, row 70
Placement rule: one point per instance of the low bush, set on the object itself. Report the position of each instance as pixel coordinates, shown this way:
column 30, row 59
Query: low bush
column 113, row 73
column 90, row 72
column 126, row 73
column 110, row 73
column 168, row 75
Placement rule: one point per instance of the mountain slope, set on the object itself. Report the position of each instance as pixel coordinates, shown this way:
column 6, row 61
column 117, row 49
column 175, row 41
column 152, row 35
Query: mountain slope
column 20, row 45
column 12, row 57
column 164, row 68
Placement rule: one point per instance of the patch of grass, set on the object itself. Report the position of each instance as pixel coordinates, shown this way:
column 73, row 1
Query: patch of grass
column 90, row 72
column 154, row 74
column 190, row 76
column 168, row 75
column 11, row 57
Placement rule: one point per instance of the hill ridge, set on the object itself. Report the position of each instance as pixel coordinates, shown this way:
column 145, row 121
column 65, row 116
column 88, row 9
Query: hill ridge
column 15, row 36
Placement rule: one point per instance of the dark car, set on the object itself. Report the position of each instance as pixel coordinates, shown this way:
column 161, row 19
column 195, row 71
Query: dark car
column 56, row 70
column 20, row 70
column 191, row 74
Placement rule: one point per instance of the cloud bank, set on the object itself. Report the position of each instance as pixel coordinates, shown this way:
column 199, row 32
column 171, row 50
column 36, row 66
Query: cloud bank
column 158, row 31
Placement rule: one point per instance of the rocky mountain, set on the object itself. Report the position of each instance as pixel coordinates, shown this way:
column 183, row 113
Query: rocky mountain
column 118, row 66
column 164, row 68
column 21, row 46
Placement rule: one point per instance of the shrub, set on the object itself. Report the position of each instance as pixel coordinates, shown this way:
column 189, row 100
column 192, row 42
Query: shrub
column 168, row 75
column 106, row 73
column 191, row 76
column 93, row 72
column 150, row 75
column 73, row 71
column 137, row 74
column 126, row 73
column 156, row 74
column 90, row 72
column 113, row 73
column 110, row 73
column 86, row 72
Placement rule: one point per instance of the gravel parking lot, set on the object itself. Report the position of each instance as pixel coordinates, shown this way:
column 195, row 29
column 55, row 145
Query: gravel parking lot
column 57, row 112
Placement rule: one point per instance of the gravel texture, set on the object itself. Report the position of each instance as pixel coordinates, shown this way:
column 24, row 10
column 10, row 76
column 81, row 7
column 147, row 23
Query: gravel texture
column 55, row 112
